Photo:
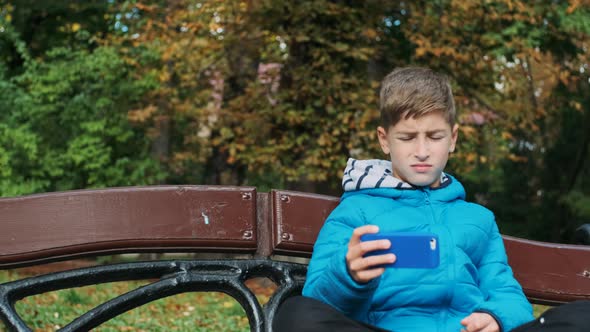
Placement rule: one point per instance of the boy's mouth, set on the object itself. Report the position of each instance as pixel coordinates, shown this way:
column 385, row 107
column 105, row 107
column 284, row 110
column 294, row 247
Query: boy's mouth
column 421, row 168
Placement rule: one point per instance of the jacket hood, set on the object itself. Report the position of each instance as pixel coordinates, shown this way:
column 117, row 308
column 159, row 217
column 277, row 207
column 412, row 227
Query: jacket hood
column 374, row 177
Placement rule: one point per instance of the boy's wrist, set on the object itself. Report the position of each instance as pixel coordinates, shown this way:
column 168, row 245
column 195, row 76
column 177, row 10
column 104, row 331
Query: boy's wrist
column 496, row 318
column 344, row 277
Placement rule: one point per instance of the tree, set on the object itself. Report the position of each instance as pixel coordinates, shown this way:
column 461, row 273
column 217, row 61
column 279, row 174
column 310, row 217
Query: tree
column 519, row 70
column 64, row 121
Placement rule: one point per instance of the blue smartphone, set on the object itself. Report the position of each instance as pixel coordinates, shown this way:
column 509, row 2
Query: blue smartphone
column 412, row 249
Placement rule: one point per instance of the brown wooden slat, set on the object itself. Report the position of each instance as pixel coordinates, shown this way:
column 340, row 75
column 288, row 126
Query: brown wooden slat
column 550, row 273
column 264, row 226
column 53, row 226
column 297, row 220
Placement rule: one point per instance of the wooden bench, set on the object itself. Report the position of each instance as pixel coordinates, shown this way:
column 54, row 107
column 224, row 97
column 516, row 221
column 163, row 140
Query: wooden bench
column 257, row 231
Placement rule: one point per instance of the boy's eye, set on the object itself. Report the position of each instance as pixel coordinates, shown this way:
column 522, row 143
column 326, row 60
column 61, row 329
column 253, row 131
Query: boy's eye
column 405, row 138
column 436, row 138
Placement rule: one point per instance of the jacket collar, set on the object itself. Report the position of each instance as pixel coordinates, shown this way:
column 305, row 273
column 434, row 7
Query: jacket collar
column 374, row 176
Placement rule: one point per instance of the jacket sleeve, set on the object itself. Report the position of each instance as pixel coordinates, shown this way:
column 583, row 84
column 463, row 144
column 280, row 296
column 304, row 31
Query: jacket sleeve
column 505, row 300
column 328, row 279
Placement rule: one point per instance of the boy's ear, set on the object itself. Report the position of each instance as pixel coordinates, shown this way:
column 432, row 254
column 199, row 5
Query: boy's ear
column 382, row 135
column 454, row 135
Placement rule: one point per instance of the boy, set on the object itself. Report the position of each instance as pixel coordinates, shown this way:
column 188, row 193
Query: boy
column 472, row 289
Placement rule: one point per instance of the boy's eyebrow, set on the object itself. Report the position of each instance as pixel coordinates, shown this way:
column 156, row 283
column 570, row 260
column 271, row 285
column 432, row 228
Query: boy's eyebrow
column 430, row 132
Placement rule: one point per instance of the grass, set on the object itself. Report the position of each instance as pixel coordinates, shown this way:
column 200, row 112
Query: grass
column 206, row 311
column 539, row 309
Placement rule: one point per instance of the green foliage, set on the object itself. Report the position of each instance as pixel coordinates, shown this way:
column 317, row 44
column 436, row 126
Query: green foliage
column 65, row 125
column 579, row 203
column 19, row 157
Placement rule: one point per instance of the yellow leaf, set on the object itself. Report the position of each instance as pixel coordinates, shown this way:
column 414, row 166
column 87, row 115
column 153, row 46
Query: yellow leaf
column 141, row 115
column 572, row 7
column 516, row 158
column 370, row 33
column 467, row 130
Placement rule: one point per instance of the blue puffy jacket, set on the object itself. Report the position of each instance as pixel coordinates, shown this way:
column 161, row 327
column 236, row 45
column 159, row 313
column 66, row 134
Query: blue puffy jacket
column 473, row 274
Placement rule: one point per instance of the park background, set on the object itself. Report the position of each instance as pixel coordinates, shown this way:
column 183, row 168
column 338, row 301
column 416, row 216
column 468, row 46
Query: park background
column 278, row 94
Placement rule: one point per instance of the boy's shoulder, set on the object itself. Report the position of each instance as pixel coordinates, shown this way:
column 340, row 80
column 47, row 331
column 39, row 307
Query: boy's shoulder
column 469, row 213
column 358, row 205
column 364, row 199
column 356, row 201
column 472, row 208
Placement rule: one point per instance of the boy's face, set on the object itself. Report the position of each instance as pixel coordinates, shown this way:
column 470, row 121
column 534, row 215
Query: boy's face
column 419, row 148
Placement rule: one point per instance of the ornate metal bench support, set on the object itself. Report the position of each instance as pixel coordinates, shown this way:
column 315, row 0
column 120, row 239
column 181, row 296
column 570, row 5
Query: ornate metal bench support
column 174, row 277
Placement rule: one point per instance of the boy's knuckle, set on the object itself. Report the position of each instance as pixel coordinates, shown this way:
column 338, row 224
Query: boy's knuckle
column 365, row 246
column 363, row 264
column 366, row 264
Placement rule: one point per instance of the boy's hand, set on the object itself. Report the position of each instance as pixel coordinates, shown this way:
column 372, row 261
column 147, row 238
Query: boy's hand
column 480, row 322
column 361, row 268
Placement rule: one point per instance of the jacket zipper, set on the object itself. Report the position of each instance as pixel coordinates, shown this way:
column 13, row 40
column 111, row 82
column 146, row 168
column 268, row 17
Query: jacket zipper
column 443, row 316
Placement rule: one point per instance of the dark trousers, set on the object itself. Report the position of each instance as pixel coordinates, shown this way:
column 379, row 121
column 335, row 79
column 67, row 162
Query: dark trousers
column 302, row 314
column 569, row 317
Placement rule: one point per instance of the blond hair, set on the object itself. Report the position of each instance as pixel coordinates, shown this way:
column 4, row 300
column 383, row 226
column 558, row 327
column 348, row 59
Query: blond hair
column 413, row 92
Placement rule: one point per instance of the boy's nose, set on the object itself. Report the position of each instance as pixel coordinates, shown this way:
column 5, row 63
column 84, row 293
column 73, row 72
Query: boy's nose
column 422, row 150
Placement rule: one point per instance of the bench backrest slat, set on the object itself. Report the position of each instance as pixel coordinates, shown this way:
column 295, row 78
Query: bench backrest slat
column 550, row 273
column 297, row 220
column 45, row 227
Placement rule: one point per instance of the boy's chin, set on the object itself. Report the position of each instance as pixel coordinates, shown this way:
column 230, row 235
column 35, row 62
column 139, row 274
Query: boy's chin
column 428, row 181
